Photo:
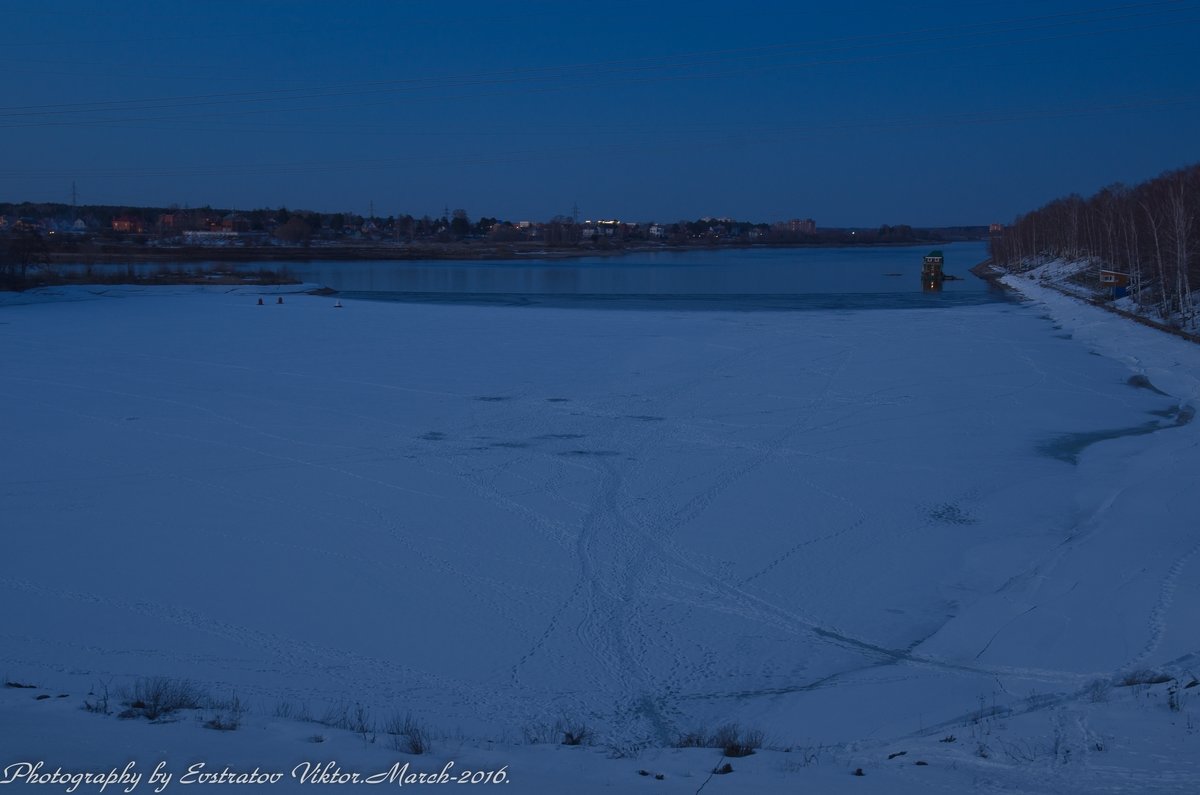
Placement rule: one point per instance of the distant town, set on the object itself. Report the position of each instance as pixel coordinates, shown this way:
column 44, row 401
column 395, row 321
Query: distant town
column 96, row 233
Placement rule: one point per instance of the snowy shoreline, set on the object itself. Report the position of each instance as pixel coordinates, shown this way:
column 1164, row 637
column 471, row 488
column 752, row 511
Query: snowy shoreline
column 508, row 521
column 1166, row 359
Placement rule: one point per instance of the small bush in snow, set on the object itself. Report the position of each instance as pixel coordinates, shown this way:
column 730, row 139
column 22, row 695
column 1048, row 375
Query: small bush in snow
column 730, row 738
column 289, row 711
column 743, row 744
column 692, row 739
column 228, row 715
column 362, row 724
column 803, row 756
column 98, row 702
column 573, row 732
column 157, row 697
column 356, row 718
column 336, row 716
column 1018, row 751
column 565, row 731
column 408, row 735
column 538, row 733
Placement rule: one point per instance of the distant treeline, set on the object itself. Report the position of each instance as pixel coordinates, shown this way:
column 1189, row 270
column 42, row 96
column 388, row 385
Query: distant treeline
column 1149, row 231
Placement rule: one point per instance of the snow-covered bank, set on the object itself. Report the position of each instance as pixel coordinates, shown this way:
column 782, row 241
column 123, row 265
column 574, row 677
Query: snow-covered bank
column 858, row 532
column 1170, row 362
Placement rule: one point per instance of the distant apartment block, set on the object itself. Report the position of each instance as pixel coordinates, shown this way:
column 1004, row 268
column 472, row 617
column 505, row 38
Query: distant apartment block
column 125, row 223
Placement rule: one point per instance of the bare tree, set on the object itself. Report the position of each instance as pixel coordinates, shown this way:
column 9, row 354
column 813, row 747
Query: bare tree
column 1150, row 231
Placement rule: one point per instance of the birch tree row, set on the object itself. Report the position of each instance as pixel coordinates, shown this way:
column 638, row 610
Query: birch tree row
column 1150, row 231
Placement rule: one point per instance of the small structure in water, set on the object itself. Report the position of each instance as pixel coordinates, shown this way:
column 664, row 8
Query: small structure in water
column 931, row 271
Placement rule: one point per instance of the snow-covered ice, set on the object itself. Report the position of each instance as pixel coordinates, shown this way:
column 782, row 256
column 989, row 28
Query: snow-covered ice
column 858, row 531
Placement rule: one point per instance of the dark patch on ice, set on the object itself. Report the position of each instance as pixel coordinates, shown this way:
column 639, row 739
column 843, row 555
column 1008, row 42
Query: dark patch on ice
column 1182, row 415
column 514, row 445
column 432, row 436
column 1067, row 336
column 1069, row 446
column 561, row 436
column 131, row 419
column 951, row 513
column 598, row 453
column 558, row 400
column 493, row 398
column 1140, row 381
column 644, row 417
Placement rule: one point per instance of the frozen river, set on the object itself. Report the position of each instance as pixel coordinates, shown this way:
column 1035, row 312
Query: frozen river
column 788, row 278
column 728, row 278
column 836, row 525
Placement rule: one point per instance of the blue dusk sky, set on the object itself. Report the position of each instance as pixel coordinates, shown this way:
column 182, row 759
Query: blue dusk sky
column 934, row 112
